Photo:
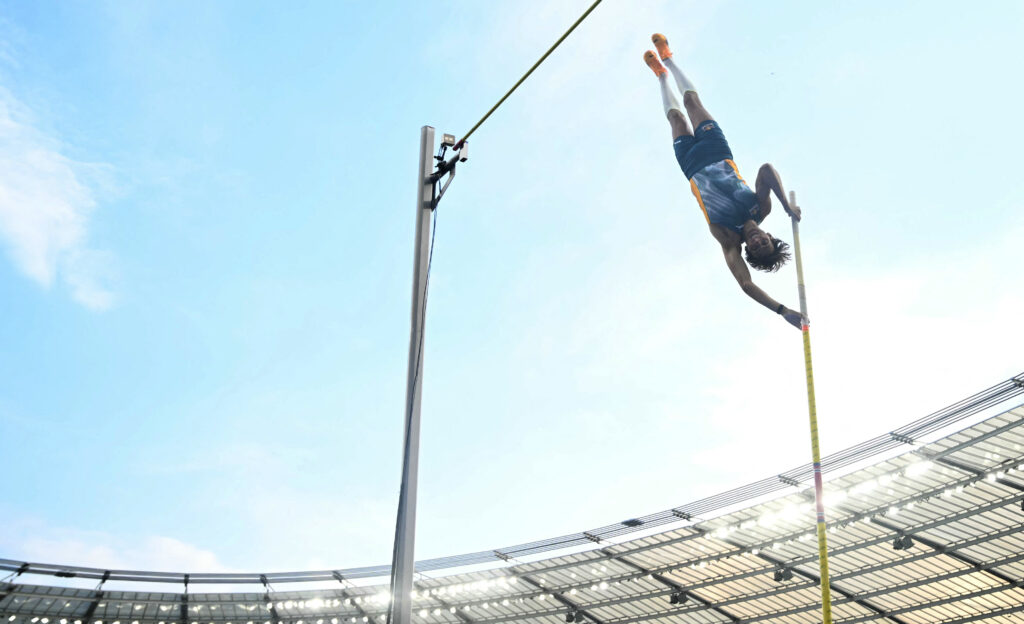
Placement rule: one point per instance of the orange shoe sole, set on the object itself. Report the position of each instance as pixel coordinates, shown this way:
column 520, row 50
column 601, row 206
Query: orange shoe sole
column 652, row 61
column 661, row 45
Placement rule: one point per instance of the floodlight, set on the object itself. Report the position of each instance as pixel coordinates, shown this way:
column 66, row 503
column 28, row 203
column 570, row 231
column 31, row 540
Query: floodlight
column 783, row 574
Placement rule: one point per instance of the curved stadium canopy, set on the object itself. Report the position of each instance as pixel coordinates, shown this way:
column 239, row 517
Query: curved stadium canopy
column 932, row 535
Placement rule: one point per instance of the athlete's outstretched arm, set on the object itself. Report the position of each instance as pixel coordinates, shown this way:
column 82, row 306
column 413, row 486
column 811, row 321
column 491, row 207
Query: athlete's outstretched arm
column 739, row 270
column 768, row 181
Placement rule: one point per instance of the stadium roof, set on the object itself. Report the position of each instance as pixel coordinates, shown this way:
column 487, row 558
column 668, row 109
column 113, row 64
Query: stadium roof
column 932, row 535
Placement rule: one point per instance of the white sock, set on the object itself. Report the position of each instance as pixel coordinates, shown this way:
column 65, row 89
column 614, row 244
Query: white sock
column 667, row 98
column 682, row 81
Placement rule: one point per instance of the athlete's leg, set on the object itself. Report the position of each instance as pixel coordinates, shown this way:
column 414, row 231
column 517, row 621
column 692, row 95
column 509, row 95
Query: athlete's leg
column 698, row 114
column 676, row 119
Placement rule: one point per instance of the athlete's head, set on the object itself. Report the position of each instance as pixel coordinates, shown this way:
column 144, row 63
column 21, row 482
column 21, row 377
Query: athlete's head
column 764, row 251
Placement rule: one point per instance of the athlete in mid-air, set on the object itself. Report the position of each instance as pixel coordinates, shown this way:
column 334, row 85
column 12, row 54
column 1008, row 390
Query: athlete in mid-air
column 733, row 212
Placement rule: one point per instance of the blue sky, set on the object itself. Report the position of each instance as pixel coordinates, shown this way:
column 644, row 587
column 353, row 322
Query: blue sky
column 206, row 222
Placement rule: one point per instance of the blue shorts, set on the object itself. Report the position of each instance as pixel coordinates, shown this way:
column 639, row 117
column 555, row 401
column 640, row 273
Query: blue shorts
column 705, row 147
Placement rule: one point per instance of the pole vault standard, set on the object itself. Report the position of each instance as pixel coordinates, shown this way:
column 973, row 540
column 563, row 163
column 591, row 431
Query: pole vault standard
column 427, row 197
column 826, row 593
column 405, row 527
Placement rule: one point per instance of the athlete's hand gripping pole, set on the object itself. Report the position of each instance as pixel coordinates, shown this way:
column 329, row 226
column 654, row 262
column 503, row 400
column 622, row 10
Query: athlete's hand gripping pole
column 826, row 594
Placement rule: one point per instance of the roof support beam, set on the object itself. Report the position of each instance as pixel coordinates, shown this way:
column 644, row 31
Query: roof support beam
column 267, row 600
column 448, row 606
column 462, row 616
column 10, row 589
column 183, row 609
column 704, row 602
column 972, row 441
column 945, row 601
column 96, row 599
column 573, row 607
column 338, row 576
column 852, row 597
column 952, row 463
column 945, row 550
column 92, row 607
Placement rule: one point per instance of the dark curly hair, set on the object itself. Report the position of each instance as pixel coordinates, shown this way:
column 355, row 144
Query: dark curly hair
column 773, row 261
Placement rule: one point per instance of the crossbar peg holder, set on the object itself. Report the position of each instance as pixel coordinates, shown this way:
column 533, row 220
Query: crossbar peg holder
column 446, row 167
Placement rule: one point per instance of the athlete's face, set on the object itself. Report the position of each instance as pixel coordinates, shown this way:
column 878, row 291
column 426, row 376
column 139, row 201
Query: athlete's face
column 759, row 244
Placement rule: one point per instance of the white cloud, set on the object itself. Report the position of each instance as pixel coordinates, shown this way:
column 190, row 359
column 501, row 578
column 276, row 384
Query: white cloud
column 45, row 206
column 32, row 541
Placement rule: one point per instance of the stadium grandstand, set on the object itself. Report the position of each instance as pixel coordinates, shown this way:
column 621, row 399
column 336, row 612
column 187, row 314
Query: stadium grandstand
column 924, row 528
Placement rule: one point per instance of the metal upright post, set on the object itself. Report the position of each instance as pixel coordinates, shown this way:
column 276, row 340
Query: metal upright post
column 826, row 592
column 405, row 529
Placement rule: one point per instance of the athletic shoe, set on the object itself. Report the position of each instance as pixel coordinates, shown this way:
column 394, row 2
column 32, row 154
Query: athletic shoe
column 652, row 61
column 661, row 45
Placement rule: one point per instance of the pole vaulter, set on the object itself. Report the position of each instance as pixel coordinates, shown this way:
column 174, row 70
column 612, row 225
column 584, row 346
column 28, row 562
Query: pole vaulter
column 734, row 214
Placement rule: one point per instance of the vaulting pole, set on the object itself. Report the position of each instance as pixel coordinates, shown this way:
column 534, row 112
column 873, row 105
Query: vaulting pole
column 826, row 593
column 402, row 563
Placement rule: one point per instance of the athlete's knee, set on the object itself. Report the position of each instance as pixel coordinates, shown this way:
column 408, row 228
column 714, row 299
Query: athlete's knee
column 677, row 121
column 766, row 174
column 695, row 109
